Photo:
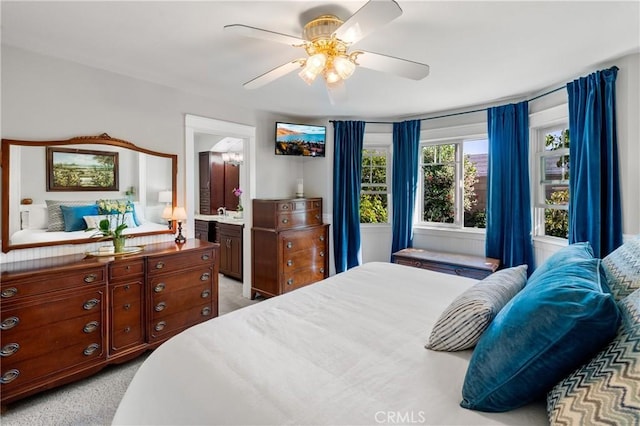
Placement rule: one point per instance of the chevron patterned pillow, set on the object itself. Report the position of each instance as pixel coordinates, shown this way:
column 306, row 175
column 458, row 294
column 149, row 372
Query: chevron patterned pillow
column 605, row 390
column 468, row 316
column 622, row 269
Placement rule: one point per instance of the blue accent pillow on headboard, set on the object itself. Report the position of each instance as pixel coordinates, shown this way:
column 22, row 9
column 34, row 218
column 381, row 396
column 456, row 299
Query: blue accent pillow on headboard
column 73, row 216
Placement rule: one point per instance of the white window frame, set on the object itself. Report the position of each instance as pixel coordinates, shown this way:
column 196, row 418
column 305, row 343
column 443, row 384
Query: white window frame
column 380, row 142
column 540, row 124
column 453, row 134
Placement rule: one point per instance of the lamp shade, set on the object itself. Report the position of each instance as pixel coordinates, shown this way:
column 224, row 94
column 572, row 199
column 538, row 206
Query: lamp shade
column 179, row 213
column 165, row 196
column 167, row 212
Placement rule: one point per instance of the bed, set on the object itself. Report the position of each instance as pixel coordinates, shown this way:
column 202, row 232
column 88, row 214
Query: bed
column 347, row 350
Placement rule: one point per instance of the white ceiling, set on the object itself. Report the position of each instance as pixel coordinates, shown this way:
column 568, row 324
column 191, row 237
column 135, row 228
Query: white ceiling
column 479, row 52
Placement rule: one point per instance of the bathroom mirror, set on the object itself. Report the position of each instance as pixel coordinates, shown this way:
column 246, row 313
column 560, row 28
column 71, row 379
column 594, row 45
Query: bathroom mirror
column 81, row 171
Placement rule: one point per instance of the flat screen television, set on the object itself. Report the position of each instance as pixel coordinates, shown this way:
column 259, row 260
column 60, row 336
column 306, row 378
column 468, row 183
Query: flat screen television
column 300, row 139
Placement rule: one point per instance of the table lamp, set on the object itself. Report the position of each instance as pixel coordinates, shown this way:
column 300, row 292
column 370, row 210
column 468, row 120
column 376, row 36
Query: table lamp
column 179, row 214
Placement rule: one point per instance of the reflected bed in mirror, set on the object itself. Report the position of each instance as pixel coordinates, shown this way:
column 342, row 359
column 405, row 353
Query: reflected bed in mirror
column 34, row 215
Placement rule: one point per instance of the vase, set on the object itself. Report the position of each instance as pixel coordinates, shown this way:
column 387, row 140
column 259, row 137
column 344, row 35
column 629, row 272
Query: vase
column 118, row 244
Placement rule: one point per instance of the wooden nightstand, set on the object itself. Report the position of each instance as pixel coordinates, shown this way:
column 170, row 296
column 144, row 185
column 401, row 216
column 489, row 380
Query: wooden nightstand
column 450, row 263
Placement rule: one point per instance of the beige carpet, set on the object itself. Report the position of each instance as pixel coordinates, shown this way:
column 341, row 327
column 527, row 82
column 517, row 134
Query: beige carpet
column 93, row 401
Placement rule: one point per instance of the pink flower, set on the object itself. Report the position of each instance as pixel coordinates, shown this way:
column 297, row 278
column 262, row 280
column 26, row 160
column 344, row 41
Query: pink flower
column 237, row 192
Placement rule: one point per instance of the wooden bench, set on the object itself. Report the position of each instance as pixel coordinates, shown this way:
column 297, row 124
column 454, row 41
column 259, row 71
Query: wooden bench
column 450, row 263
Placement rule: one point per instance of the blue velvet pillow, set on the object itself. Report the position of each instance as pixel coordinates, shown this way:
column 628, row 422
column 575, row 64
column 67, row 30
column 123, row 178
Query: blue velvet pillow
column 555, row 324
column 569, row 254
column 73, row 216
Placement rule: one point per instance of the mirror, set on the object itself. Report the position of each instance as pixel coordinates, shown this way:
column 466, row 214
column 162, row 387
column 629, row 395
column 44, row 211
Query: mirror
column 39, row 175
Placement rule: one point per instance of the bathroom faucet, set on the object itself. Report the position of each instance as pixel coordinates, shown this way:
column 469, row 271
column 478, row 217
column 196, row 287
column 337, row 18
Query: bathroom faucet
column 222, row 211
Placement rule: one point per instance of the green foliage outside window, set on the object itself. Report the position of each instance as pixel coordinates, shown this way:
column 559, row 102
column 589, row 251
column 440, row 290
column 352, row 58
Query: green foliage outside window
column 373, row 195
column 556, row 221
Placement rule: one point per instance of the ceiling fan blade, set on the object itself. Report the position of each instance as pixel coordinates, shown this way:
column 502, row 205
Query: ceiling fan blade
column 374, row 14
column 247, row 31
column 274, row 74
column 337, row 92
column 389, row 64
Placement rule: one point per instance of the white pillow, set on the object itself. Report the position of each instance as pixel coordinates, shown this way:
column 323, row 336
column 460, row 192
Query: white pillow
column 94, row 221
column 38, row 216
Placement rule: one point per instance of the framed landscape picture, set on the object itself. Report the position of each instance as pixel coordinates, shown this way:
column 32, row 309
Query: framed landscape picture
column 81, row 170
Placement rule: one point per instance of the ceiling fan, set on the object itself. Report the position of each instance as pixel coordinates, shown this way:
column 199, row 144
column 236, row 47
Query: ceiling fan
column 326, row 40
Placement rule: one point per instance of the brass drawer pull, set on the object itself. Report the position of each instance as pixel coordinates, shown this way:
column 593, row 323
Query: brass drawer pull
column 318, row 216
column 159, row 265
column 9, row 323
column 127, row 287
column 285, row 207
column 290, row 281
column 9, row 292
column 321, row 237
column 159, row 287
column 90, row 278
column 289, row 262
column 127, row 329
column 9, row 376
column 322, row 270
column 289, row 244
column 9, row 349
column 285, row 220
column 89, row 350
column 205, row 276
column 205, row 294
column 321, row 254
column 91, row 327
column 160, row 326
column 90, row 304
column 206, row 311
column 205, row 257
column 126, row 306
column 160, row 307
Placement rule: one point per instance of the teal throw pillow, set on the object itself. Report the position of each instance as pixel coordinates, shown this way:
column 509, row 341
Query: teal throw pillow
column 73, row 216
column 555, row 324
column 564, row 256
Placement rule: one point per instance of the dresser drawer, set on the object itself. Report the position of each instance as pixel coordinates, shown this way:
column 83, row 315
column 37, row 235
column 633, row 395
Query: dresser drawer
column 26, row 344
column 166, row 304
column 37, row 315
column 126, row 269
column 17, row 374
column 296, row 279
column 179, row 262
column 46, row 283
column 303, row 258
column 163, row 284
column 172, row 324
column 126, row 315
column 302, row 240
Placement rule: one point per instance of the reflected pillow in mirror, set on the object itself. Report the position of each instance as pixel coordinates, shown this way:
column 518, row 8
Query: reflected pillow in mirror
column 93, row 222
column 38, row 215
column 55, row 218
column 73, row 216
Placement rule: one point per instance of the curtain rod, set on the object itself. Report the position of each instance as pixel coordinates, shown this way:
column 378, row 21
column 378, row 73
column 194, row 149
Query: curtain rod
column 463, row 112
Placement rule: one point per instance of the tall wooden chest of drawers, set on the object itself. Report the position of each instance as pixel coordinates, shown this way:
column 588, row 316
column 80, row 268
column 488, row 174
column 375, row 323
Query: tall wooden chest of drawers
column 290, row 245
column 64, row 318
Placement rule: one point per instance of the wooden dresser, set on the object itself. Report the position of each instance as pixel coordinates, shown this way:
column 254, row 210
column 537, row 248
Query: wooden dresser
column 64, row 318
column 290, row 245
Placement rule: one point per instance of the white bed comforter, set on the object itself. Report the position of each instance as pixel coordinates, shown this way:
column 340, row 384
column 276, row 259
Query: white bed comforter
column 348, row 350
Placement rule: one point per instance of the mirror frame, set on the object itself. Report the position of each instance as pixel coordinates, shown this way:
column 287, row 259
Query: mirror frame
column 103, row 139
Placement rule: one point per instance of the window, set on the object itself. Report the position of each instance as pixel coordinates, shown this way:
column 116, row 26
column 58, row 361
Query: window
column 374, row 195
column 454, row 183
column 552, row 201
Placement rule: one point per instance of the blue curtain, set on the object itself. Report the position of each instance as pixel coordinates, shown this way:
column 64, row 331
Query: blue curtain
column 508, row 199
column 347, row 170
column 595, row 213
column 406, row 149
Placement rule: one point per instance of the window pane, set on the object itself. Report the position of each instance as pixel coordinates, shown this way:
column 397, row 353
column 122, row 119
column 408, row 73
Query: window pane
column 373, row 208
column 556, row 223
column 556, row 139
column 555, row 168
column 439, row 193
column 556, row 194
column 475, row 182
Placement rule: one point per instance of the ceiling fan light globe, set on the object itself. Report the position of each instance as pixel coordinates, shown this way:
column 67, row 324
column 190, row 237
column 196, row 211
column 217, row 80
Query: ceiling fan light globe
column 331, row 76
column 307, row 75
column 343, row 67
column 316, row 62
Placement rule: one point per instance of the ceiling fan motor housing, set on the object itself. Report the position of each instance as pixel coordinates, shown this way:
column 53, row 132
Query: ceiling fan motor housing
column 321, row 28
